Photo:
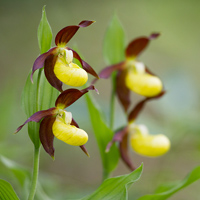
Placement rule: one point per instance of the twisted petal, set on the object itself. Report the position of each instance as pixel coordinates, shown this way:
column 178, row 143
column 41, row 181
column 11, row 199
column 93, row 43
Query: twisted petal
column 138, row 108
column 70, row 74
column 69, row 96
column 36, row 117
column 49, row 72
column 65, row 34
column 123, row 92
column 39, row 62
column 85, row 65
column 46, row 134
column 143, row 84
column 138, row 45
column 68, row 133
column 150, row 145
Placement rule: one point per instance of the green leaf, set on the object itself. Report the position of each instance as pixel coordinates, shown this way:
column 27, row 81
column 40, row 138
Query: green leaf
column 116, row 188
column 103, row 136
column 164, row 192
column 44, row 33
column 6, row 191
column 114, row 42
column 39, row 95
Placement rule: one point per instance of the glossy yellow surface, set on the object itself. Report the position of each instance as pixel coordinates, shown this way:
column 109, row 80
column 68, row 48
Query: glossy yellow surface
column 149, row 145
column 70, row 74
column 143, row 84
column 68, row 133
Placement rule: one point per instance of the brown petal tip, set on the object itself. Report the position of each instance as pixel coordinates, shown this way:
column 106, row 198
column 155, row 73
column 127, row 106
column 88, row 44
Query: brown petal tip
column 85, row 150
column 154, row 36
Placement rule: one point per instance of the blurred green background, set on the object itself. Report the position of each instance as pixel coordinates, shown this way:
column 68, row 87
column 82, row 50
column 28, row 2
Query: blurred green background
column 174, row 56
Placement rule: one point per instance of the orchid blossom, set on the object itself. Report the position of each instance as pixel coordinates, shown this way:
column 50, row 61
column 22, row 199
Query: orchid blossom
column 59, row 123
column 134, row 75
column 58, row 61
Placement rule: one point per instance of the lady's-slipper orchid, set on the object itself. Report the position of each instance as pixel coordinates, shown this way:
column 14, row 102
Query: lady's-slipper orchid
column 58, row 61
column 134, row 75
column 59, row 123
column 141, row 141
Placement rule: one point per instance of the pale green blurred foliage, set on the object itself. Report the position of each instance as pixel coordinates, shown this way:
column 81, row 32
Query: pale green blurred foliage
column 174, row 56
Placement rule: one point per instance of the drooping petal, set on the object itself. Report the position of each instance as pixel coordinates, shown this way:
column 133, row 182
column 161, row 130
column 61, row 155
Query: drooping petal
column 69, row 96
column 143, row 84
column 68, row 133
column 83, row 148
column 70, row 74
column 106, row 72
column 49, row 72
column 46, row 135
column 138, row 45
column 123, row 147
column 39, row 62
column 36, row 117
column 122, row 90
column 85, row 65
column 65, row 34
column 138, row 108
column 74, row 123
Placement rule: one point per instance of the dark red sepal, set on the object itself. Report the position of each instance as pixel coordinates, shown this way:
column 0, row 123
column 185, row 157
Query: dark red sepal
column 39, row 62
column 85, row 65
column 74, row 123
column 65, row 34
column 106, row 72
column 46, row 135
column 69, row 96
column 49, row 72
column 36, row 117
column 138, row 108
column 123, row 147
column 84, row 150
column 123, row 92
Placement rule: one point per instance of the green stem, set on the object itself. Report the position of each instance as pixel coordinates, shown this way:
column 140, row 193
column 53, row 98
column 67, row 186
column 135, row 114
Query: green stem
column 105, row 175
column 35, row 173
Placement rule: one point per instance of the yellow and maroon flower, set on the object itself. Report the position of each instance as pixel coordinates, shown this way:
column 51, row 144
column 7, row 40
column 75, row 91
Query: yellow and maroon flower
column 140, row 140
column 58, row 61
column 134, row 75
column 59, row 123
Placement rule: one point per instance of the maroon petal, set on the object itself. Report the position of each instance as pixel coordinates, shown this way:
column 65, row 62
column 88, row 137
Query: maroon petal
column 65, row 34
column 49, row 72
column 74, row 123
column 123, row 92
column 46, row 135
column 147, row 70
column 106, row 72
column 84, row 150
column 39, row 62
column 138, row 108
column 36, row 117
column 154, row 36
column 117, row 137
column 123, row 147
column 85, row 65
column 69, row 96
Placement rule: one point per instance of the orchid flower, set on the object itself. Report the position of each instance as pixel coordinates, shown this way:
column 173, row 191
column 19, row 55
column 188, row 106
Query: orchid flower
column 141, row 141
column 59, row 123
column 134, row 75
column 58, row 61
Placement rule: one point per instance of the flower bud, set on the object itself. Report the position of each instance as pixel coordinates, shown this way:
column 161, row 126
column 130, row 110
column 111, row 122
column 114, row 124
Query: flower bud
column 148, row 145
column 68, row 133
column 143, row 84
column 70, row 74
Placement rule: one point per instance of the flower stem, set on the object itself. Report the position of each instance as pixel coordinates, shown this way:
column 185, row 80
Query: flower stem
column 35, row 173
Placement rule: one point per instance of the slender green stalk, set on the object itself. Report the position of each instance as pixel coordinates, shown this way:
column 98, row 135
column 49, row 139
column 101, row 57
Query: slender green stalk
column 105, row 175
column 35, row 174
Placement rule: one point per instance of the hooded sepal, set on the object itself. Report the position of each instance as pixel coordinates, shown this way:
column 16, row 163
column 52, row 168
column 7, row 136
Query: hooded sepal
column 123, row 92
column 39, row 62
column 49, row 72
column 85, row 65
column 106, row 72
column 46, row 135
column 138, row 108
column 36, row 117
column 69, row 96
column 65, row 34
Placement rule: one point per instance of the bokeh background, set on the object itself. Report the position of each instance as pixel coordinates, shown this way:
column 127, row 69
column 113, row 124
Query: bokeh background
column 174, row 56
